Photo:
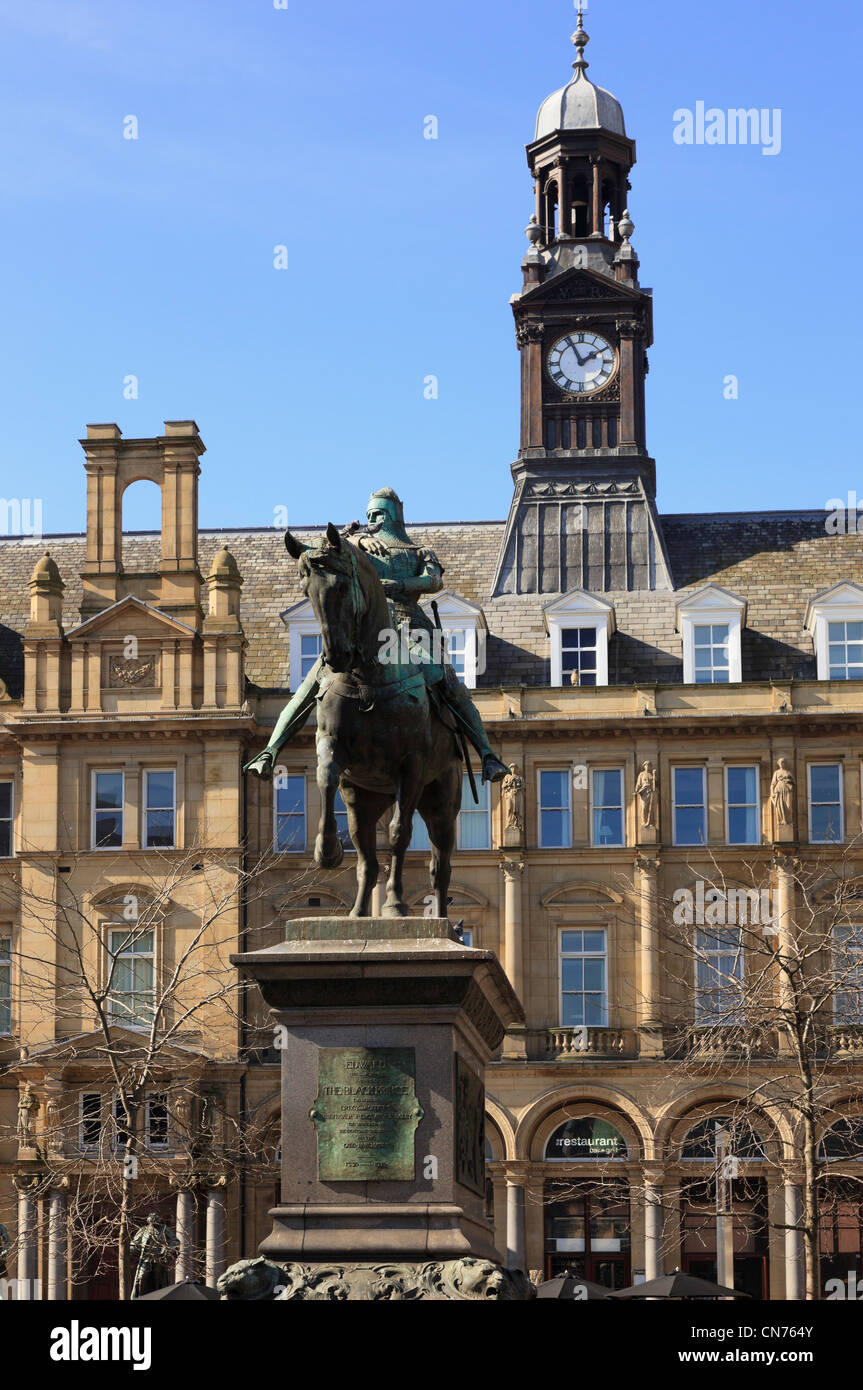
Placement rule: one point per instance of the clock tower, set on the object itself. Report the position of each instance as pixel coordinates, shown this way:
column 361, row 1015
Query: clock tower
column 583, row 512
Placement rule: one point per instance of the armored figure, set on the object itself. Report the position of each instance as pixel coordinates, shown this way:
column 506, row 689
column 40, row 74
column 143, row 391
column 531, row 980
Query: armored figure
column 155, row 1244
column 408, row 572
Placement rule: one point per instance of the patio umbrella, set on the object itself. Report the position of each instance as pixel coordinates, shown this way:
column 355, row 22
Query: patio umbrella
column 677, row 1285
column 570, row 1286
column 186, row 1292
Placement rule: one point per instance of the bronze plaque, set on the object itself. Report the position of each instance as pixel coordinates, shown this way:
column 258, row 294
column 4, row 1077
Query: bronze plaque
column 469, row 1127
column 366, row 1113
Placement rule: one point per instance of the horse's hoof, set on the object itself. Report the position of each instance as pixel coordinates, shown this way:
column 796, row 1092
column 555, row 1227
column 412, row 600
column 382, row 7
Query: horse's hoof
column 328, row 854
column 394, row 910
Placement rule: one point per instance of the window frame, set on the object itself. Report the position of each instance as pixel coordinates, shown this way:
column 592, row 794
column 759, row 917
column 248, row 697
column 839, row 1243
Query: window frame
column 134, row 931
column 699, row 957
column 95, row 773
column 152, row 1098
column 6, row 994
column 689, row 767
column 842, row 603
column 854, row 929
column 756, row 768
column 304, row 847
column 567, row 772
column 476, row 811
column 146, row 773
column 612, row 767
column 82, row 1120
column 579, row 609
column 10, row 782
column 583, row 955
column 826, row 762
column 710, row 607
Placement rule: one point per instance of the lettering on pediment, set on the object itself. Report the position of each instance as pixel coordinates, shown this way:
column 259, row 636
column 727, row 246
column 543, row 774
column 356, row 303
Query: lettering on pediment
column 579, row 287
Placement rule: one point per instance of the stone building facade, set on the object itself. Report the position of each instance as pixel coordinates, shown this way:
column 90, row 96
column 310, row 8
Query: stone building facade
column 643, row 674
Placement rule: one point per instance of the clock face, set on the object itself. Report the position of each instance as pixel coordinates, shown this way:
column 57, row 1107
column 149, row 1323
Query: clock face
column 582, row 363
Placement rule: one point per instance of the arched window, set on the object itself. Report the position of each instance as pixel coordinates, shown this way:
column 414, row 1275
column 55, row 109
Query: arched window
column 700, row 1141
column 587, row 1137
column 142, row 506
column 843, row 1141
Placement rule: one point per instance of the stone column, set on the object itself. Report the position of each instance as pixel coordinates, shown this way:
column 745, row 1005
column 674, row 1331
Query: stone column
column 516, row 1235
column 216, row 1235
column 784, row 941
column 57, row 1241
column 512, row 943
column 793, row 1241
column 564, row 203
column 649, row 1004
column 630, row 338
column 653, row 1223
column 185, row 1228
column 596, row 214
column 27, row 1250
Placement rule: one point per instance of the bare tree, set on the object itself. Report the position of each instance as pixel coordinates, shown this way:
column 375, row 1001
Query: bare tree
column 136, row 979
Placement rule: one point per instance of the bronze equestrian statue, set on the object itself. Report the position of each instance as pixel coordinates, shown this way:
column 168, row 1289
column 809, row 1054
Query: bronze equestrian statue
column 390, row 714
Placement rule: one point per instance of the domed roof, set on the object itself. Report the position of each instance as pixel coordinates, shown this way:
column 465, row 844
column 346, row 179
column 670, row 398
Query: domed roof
column 580, row 105
column 46, row 571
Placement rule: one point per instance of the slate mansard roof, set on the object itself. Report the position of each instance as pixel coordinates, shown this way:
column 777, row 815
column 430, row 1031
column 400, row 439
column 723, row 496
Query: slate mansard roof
column 776, row 561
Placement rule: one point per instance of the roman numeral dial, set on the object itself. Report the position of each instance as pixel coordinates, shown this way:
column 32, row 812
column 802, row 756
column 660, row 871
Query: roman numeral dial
column 581, row 363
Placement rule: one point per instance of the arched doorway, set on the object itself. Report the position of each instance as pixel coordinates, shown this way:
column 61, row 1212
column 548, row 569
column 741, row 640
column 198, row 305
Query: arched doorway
column 747, row 1191
column 588, row 1219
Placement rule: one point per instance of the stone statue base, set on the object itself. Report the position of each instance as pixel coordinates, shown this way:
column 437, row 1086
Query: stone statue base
column 462, row 1281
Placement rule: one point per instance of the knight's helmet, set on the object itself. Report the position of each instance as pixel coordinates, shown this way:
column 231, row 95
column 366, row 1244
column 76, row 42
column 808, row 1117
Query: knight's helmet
column 386, row 499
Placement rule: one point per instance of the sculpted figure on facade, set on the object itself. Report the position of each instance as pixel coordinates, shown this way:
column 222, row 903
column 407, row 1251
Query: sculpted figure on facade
column 513, row 794
column 782, row 793
column 27, row 1105
column 647, row 792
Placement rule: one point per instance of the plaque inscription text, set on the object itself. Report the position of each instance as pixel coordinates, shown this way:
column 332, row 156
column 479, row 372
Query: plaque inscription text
column 366, row 1113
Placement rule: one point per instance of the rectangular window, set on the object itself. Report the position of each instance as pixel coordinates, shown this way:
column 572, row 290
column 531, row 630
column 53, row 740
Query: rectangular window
column 311, row 646
column 474, row 822
column 845, row 650
column 719, row 975
column 690, row 807
column 578, row 655
column 157, row 1122
column 467, row 936
column 5, row 985
column 848, row 974
column 825, row 804
column 6, row 818
column 91, row 1119
column 712, row 665
column 290, row 814
column 159, row 810
column 743, row 805
column 131, row 962
column 555, row 810
column 107, row 810
column 606, row 790
column 583, row 979
column 456, row 646
column 341, row 811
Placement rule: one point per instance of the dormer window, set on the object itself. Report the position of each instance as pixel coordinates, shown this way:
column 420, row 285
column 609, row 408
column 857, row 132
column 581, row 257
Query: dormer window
column 579, row 626
column 305, row 638
column 465, row 630
column 835, row 620
column 711, row 622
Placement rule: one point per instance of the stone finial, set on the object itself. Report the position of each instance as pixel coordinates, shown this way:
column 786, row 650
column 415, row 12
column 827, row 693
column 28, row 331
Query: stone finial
column 581, row 39
column 46, row 594
column 46, row 574
column 626, row 226
column 224, row 568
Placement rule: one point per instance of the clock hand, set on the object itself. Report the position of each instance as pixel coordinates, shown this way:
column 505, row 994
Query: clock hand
column 581, row 360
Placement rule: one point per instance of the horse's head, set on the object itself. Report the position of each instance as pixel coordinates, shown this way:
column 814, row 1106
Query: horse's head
column 331, row 580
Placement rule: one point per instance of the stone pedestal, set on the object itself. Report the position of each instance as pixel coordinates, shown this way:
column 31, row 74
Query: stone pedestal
column 386, row 1027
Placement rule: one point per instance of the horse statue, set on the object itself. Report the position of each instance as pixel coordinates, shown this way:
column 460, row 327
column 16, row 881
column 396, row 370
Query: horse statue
column 382, row 738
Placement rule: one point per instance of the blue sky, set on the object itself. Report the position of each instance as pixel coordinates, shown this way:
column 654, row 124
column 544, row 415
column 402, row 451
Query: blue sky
column 303, row 127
